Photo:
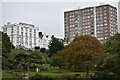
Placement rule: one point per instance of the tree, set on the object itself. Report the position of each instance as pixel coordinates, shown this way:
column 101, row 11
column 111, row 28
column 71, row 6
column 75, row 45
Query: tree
column 21, row 60
column 6, row 44
column 27, row 60
column 112, row 45
column 35, row 59
column 80, row 52
column 56, row 60
column 55, row 45
column 6, row 49
column 110, row 62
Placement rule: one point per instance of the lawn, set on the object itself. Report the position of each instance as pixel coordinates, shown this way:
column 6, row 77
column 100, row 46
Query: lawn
column 6, row 75
column 51, row 72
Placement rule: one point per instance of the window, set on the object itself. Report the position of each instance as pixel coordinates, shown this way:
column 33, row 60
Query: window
column 105, row 27
column 30, row 30
column 26, row 29
column 72, row 25
column 17, row 28
column 21, row 28
column 12, row 32
column 101, row 15
column 106, row 30
column 105, row 13
column 105, row 20
column 105, row 17
column 105, row 37
column 21, row 33
column 105, row 10
column 30, row 35
column 34, row 36
column 105, row 24
column 34, row 31
column 17, row 32
column 92, row 32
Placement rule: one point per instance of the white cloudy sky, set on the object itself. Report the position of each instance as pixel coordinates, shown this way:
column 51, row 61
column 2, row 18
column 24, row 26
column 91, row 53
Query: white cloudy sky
column 48, row 16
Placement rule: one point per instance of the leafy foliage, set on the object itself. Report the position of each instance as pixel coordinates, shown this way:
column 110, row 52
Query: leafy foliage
column 80, row 52
column 35, row 58
column 6, row 49
column 6, row 44
column 20, row 60
column 43, row 50
column 113, row 44
column 55, row 45
column 57, row 60
column 110, row 61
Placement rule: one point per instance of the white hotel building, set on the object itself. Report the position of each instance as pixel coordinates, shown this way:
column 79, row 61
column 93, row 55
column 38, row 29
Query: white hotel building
column 119, row 16
column 22, row 35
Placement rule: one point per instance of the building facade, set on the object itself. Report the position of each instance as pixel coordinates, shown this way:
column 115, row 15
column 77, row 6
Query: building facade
column 119, row 16
column 99, row 21
column 44, row 40
column 22, row 35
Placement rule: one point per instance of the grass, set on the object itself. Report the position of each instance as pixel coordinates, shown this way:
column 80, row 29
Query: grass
column 54, row 75
column 52, row 72
column 6, row 75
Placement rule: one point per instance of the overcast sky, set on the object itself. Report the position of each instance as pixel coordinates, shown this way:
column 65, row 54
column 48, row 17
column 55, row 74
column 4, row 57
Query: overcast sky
column 48, row 16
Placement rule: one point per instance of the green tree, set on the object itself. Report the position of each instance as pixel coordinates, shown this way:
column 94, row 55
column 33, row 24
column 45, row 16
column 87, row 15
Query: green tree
column 6, row 44
column 27, row 60
column 55, row 45
column 21, row 60
column 110, row 62
column 79, row 54
column 112, row 45
column 35, row 59
column 6, row 49
column 56, row 60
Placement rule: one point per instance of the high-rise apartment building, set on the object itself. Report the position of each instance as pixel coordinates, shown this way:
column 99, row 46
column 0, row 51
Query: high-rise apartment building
column 22, row 35
column 99, row 21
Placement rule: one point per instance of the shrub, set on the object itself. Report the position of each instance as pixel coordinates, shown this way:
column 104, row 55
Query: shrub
column 43, row 50
column 102, row 76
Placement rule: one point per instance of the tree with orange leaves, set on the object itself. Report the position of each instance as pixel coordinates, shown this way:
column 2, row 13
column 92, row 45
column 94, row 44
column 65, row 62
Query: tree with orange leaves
column 79, row 54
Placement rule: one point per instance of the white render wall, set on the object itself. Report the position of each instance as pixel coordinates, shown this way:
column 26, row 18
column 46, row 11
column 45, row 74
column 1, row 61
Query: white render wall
column 44, row 41
column 119, row 16
column 22, row 34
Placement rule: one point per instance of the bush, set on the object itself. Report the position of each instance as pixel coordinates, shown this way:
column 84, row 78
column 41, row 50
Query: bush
column 102, row 76
column 43, row 50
